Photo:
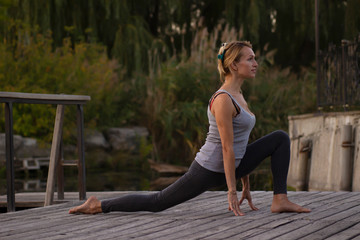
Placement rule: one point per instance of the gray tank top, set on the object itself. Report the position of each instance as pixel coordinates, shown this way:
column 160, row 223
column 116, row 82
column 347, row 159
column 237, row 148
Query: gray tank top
column 210, row 154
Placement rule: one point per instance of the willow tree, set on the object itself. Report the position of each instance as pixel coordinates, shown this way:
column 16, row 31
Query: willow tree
column 116, row 24
column 128, row 28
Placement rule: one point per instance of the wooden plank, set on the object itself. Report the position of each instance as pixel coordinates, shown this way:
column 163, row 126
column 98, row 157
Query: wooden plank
column 140, row 231
column 321, row 207
column 117, row 229
column 41, row 96
column 214, row 226
column 262, row 222
column 88, row 226
column 149, row 229
column 348, row 233
column 248, row 228
column 181, row 227
column 260, row 219
column 204, row 217
column 81, row 152
column 36, row 199
column 329, row 230
column 55, row 152
column 122, row 222
column 300, row 228
column 321, row 220
column 338, row 226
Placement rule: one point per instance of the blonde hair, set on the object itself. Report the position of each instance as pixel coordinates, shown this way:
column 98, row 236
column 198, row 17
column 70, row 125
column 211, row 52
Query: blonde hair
column 229, row 53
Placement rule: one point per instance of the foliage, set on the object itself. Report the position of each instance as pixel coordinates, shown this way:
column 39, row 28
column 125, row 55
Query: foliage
column 32, row 66
column 275, row 94
column 175, row 109
column 127, row 27
column 171, row 100
column 153, row 63
column 176, row 93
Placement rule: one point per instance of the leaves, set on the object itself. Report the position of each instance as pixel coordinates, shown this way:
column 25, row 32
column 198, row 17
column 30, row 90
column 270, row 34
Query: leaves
column 36, row 68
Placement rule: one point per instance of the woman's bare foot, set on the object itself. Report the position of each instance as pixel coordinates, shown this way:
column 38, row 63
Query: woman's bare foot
column 91, row 206
column 282, row 204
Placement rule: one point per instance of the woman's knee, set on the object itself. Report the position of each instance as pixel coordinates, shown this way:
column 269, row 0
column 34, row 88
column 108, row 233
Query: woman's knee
column 282, row 137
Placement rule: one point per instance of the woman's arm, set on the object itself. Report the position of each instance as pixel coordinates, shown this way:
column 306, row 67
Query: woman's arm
column 245, row 183
column 223, row 110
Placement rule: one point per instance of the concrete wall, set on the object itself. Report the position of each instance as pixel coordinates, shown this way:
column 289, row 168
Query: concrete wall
column 325, row 151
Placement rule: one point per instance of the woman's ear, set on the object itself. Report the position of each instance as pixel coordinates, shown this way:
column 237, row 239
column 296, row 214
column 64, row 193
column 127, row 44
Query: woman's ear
column 233, row 66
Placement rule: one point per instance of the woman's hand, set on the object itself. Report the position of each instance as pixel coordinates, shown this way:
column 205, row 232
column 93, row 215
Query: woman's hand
column 246, row 195
column 234, row 204
column 246, row 192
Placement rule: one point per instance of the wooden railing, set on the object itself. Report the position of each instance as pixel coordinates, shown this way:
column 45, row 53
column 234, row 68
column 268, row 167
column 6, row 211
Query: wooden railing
column 10, row 98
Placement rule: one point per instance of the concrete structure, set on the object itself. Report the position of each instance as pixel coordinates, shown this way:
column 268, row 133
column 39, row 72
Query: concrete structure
column 325, row 151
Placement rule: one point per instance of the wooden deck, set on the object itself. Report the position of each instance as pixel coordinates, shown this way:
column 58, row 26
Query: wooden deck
column 335, row 215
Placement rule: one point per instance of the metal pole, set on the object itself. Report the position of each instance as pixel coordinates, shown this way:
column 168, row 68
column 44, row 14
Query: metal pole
column 343, row 79
column 9, row 157
column 317, row 52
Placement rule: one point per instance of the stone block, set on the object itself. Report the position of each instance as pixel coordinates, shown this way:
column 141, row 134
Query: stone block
column 30, row 148
column 327, row 167
column 126, row 139
column 95, row 139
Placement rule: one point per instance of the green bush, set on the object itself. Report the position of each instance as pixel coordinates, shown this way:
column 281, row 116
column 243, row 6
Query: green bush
column 170, row 100
column 175, row 109
column 84, row 69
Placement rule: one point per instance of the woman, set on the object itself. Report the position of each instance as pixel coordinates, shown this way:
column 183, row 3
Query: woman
column 226, row 155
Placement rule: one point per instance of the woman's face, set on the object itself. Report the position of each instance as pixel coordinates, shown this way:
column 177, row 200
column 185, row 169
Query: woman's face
column 247, row 66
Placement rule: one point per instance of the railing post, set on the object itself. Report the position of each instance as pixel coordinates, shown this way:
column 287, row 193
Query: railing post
column 60, row 172
column 9, row 157
column 55, row 150
column 81, row 149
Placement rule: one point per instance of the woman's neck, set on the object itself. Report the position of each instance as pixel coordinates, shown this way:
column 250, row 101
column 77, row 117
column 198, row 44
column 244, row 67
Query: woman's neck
column 232, row 85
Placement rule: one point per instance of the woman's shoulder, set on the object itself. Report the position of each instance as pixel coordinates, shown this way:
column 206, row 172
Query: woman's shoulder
column 221, row 97
column 223, row 104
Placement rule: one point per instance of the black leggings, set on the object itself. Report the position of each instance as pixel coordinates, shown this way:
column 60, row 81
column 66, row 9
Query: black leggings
column 198, row 179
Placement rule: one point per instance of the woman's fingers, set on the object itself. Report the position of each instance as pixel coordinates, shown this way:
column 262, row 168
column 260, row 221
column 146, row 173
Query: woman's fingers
column 246, row 195
column 239, row 212
column 252, row 206
column 234, row 205
column 236, row 209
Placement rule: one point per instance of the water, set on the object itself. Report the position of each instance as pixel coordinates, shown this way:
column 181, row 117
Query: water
column 96, row 180
column 124, row 177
